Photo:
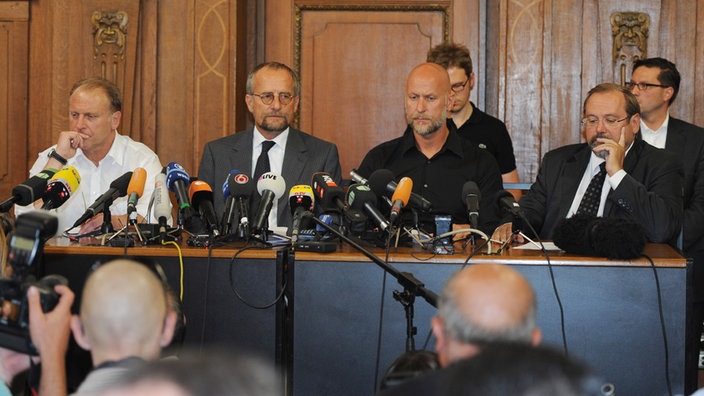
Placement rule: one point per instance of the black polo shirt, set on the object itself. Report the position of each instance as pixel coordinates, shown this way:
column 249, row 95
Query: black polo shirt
column 440, row 179
column 490, row 134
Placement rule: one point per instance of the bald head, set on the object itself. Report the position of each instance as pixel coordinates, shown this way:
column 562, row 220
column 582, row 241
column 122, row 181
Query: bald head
column 485, row 303
column 428, row 98
column 122, row 312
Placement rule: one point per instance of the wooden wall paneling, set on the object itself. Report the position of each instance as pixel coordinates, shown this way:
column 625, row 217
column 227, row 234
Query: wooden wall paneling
column 521, row 72
column 14, row 43
column 143, row 111
column 176, row 71
column 677, row 43
column 468, row 26
column 198, row 63
column 353, row 66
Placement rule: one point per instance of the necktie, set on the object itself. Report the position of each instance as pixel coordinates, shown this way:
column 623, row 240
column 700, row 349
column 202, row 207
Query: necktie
column 592, row 197
column 263, row 166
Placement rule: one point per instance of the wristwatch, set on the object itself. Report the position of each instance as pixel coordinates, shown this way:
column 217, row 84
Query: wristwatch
column 53, row 154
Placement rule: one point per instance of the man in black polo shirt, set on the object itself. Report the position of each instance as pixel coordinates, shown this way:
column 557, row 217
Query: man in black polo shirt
column 433, row 155
column 489, row 133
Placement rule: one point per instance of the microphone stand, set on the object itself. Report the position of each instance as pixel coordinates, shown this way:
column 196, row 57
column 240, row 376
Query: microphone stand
column 412, row 288
column 406, row 279
column 107, row 227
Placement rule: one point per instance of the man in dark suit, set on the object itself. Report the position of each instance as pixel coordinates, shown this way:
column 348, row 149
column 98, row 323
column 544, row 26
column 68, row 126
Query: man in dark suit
column 655, row 82
column 272, row 97
column 642, row 184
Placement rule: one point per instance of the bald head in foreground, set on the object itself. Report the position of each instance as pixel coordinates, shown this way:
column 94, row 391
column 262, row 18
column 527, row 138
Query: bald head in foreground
column 124, row 320
column 478, row 306
column 481, row 304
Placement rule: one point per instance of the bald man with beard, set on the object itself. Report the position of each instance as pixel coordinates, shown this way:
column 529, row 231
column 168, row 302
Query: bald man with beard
column 435, row 157
column 480, row 304
column 124, row 320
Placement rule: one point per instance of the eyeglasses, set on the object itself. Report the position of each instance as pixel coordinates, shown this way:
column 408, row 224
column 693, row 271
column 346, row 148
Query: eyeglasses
column 268, row 98
column 459, row 87
column 592, row 122
column 643, row 86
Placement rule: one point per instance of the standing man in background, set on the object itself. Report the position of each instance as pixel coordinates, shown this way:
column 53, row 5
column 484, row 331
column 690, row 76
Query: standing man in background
column 488, row 132
column 98, row 152
column 655, row 82
column 273, row 94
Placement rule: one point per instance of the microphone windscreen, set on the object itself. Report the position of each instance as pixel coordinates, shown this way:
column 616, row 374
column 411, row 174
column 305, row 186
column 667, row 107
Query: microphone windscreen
column 379, row 180
column 139, row 177
column 174, row 173
column 120, row 184
column 300, row 195
column 358, row 195
column 241, row 185
column 326, row 190
column 272, row 182
column 226, row 183
column 33, row 188
column 600, row 236
column 403, row 190
column 69, row 176
column 199, row 191
column 471, row 188
column 161, row 197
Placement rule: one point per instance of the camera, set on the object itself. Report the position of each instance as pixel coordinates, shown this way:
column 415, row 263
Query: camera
column 25, row 251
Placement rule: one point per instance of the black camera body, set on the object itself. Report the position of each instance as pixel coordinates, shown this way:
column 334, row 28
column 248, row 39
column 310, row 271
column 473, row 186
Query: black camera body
column 25, row 251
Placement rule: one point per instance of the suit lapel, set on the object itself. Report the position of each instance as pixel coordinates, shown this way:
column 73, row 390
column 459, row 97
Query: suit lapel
column 293, row 166
column 240, row 155
column 572, row 176
column 675, row 138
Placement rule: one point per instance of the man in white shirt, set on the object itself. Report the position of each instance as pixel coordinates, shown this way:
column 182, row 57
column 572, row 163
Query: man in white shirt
column 99, row 153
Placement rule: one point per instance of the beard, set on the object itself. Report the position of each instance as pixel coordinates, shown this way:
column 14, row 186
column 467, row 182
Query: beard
column 433, row 127
column 593, row 144
column 274, row 125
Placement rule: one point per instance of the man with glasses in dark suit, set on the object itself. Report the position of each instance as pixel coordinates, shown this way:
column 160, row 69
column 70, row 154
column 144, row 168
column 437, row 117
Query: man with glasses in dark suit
column 273, row 95
column 633, row 180
column 655, row 82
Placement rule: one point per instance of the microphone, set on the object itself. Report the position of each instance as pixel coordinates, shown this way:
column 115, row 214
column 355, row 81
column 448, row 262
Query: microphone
column 178, row 180
column 508, row 203
column 472, row 195
column 229, row 211
column 270, row 186
column 29, row 191
column 357, row 178
column 202, row 198
column 362, row 198
column 135, row 190
column 300, row 200
column 161, row 203
column 382, row 182
column 400, row 198
column 242, row 190
column 60, row 187
column 328, row 192
column 600, row 236
column 118, row 188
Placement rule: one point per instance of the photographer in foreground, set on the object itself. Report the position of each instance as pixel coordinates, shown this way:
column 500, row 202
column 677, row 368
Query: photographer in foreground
column 50, row 334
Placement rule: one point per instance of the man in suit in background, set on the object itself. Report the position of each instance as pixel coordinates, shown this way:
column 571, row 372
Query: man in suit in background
column 655, row 83
column 273, row 95
column 636, row 182
column 480, row 304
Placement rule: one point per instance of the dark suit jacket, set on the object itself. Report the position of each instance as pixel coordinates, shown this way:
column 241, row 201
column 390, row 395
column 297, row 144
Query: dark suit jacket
column 650, row 194
column 686, row 141
column 304, row 155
